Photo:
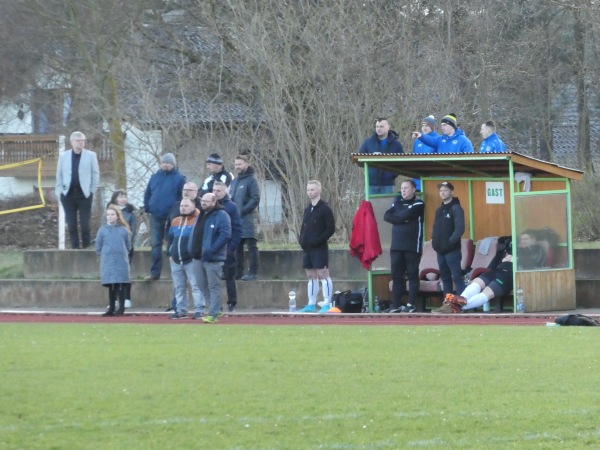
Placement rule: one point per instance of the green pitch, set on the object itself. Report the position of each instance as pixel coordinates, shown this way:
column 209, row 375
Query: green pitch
column 293, row 387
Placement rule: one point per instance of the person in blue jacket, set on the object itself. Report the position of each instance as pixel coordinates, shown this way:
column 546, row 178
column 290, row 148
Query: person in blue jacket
column 219, row 188
column 419, row 147
column 383, row 140
column 452, row 139
column 209, row 245
column 163, row 190
column 491, row 142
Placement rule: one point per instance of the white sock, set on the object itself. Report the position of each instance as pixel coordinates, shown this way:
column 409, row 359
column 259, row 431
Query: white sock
column 327, row 287
column 471, row 290
column 476, row 301
column 313, row 290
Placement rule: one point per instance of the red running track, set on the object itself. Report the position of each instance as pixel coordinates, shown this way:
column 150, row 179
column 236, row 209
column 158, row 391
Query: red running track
column 287, row 319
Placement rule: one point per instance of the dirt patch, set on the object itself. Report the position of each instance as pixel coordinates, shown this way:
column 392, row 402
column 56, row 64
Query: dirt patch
column 32, row 229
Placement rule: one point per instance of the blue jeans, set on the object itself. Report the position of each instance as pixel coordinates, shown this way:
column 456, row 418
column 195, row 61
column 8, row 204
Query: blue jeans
column 157, row 236
column 450, row 271
column 183, row 274
column 381, row 189
column 209, row 279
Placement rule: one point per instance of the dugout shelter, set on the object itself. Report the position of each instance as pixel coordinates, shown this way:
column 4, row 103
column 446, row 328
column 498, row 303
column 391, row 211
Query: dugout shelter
column 502, row 194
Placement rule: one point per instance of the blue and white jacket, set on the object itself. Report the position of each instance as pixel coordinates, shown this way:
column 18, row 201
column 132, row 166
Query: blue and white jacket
column 457, row 143
column 492, row 144
column 419, row 147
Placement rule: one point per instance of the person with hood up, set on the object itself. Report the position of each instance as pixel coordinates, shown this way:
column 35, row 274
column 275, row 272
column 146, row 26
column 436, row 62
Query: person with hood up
column 383, row 140
column 452, row 139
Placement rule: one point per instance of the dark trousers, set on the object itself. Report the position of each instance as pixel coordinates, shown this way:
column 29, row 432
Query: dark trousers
column 157, row 237
column 116, row 291
column 75, row 203
column 252, row 257
column 229, row 269
column 450, row 271
column 405, row 263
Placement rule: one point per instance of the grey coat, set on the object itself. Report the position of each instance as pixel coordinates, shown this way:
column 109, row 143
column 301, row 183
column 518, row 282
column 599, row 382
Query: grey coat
column 245, row 193
column 113, row 243
column 89, row 173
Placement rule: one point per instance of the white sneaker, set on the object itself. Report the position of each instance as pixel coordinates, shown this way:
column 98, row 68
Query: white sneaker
column 127, row 304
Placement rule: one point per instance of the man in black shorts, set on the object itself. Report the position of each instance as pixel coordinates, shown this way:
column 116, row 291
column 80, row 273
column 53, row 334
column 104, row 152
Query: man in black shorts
column 496, row 282
column 318, row 225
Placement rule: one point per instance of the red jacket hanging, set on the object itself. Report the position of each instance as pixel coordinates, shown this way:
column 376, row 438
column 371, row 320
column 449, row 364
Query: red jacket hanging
column 364, row 241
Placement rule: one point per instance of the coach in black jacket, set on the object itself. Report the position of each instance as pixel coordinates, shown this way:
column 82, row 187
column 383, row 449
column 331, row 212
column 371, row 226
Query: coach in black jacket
column 406, row 215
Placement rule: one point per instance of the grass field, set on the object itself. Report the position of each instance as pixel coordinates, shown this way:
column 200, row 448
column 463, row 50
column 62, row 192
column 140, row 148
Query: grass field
column 292, row 387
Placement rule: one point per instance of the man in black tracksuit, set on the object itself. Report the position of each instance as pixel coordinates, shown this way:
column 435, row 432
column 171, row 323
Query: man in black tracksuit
column 406, row 215
column 448, row 228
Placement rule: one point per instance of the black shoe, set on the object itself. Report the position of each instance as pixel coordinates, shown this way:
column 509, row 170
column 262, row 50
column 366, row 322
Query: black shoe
column 249, row 277
column 171, row 308
column 230, row 308
column 108, row 313
column 119, row 312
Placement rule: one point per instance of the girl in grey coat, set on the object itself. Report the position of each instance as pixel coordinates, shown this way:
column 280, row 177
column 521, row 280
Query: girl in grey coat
column 113, row 243
column 119, row 198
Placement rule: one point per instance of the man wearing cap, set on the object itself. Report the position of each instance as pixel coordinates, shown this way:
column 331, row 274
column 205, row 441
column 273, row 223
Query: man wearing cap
column 214, row 164
column 164, row 189
column 448, row 228
column 383, row 140
column 419, row 147
column 452, row 139
column 491, row 142
column 77, row 177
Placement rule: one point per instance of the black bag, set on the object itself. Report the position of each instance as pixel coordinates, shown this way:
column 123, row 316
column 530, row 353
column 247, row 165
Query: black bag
column 348, row 301
column 577, row 320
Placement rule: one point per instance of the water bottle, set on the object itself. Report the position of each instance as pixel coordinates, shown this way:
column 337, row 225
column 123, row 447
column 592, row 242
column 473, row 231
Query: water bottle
column 365, row 307
column 520, row 301
column 552, row 324
column 486, row 307
column 292, row 303
column 376, row 304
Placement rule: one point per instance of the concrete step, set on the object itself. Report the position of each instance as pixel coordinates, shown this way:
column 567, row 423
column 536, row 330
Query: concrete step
column 274, row 265
column 61, row 293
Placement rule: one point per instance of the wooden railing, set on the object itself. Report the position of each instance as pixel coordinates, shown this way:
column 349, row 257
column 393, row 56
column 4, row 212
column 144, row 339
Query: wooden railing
column 19, row 148
column 23, row 147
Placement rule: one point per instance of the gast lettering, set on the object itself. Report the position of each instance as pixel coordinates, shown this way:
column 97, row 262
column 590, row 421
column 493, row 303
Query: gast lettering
column 494, row 192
